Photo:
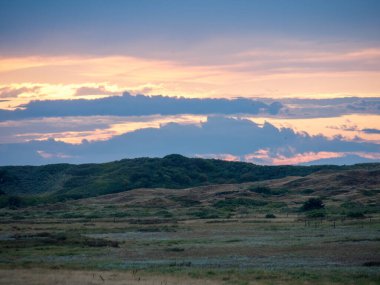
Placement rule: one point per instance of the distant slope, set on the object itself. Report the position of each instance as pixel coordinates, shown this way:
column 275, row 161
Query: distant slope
column 66, row 181
column 354, row 189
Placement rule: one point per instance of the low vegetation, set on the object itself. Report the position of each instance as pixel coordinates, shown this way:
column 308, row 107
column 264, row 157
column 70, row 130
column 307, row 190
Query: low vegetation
column 321, row 228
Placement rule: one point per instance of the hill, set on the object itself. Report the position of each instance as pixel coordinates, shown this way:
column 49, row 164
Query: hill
column 342, row 192
column 59, row 182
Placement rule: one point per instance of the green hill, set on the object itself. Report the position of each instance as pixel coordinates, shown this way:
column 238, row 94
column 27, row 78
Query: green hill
column 58, row 182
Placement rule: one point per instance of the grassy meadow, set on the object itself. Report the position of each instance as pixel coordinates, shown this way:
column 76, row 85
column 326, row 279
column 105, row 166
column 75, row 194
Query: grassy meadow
column 250, row 233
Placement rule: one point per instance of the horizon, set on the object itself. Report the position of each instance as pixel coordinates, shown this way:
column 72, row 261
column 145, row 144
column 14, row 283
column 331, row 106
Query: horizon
column 219, row 159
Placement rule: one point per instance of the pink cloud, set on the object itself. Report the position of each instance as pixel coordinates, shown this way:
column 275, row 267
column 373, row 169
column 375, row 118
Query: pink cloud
column 48, row 155
column 94, row 90
column 305, row 157
column 265, row 157
column 221, row 156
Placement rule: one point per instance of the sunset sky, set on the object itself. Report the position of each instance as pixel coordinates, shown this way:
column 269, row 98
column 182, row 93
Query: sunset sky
column 269, row 82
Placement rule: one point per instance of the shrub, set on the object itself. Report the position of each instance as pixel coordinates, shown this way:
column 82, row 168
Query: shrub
column 312, row 204
column 175, row 249
column 355, row 215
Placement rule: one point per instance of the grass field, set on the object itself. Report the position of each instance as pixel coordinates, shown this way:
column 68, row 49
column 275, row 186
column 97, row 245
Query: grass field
column 244, row 251
column 224, row 234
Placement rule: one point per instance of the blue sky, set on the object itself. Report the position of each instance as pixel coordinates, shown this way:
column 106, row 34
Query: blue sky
column 99, row 26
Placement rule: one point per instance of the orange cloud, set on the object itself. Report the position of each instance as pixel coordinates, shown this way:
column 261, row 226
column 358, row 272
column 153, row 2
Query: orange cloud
column 270, row 73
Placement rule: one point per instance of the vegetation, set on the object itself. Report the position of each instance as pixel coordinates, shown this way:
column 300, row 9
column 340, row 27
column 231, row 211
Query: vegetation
column 234, row 203
column 261, row 190
column 355, row 215
column 313, row 204
column 249, row 233
column 59, row 182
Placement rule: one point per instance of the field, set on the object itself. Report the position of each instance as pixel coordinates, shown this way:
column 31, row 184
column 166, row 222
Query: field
column 250, row 233
column 228, row 251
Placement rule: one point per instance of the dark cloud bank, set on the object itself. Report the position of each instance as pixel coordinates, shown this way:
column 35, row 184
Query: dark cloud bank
column 332, row 107
column 139, row 105
column 219, row 135
column 371, row 131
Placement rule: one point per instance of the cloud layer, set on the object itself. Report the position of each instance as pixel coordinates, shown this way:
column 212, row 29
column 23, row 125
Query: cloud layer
column 218, row 136
column 139, row 105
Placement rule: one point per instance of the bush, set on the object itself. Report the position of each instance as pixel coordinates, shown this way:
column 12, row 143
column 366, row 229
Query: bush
column 312, row 204
column 356, row 215
column 175, row 249
column 270, row 216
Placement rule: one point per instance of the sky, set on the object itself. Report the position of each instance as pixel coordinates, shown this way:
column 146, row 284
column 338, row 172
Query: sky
column 269, row 82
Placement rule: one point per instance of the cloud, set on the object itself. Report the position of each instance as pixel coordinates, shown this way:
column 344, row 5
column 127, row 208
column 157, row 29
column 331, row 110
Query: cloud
column 330, row 107
column 20, row 94
column 264, row 156
column 11, row 92
column 91, row 128
column 345, row 159
column 139, row 105
column 345, row 127
column 47, row 155
column 371, row 131
column 365, row 105
column 89, row 90
column 220, row 136
column 216, row 68
column 44, row 128
column 101, row 99
column 221, row 156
